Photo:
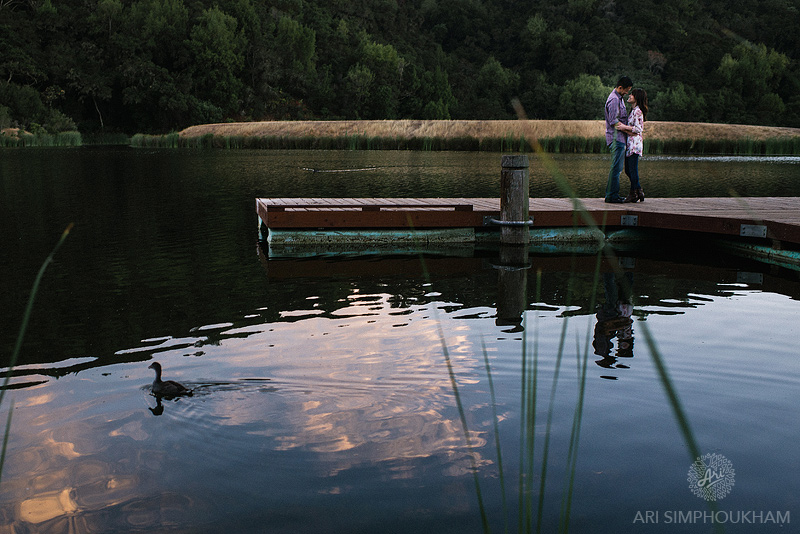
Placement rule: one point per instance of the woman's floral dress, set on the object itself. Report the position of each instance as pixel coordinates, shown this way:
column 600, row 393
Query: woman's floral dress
column 635, row 140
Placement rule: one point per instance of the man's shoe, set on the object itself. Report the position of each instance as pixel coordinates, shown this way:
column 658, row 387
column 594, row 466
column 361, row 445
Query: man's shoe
column 615, row 200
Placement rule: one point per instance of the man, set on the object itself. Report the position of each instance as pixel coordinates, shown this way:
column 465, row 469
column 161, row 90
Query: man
column 616, row 139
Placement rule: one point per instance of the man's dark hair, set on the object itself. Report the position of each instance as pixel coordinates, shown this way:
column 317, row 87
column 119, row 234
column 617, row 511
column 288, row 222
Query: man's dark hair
column 624, row 82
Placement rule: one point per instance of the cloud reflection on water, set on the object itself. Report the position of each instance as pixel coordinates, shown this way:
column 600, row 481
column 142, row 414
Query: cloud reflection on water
column 333, row 385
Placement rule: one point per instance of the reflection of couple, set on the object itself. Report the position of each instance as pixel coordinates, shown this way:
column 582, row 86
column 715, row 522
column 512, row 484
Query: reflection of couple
column 624, row 138
column 614, row 320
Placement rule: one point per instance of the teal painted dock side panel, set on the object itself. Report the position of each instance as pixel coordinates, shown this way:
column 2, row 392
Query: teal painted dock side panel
column 789, row 259
column 371, row 237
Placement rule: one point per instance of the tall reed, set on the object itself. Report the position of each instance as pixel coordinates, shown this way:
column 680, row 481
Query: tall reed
column 62, row 139
column 777, row 146
column 509, row 142
column 106, row 139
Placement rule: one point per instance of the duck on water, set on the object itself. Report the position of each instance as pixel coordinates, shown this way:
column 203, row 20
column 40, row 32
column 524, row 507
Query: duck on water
column 166, row 388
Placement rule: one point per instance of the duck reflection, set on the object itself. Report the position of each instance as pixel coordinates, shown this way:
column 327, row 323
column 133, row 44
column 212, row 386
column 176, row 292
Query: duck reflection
column 158, row 409
column 614, row 321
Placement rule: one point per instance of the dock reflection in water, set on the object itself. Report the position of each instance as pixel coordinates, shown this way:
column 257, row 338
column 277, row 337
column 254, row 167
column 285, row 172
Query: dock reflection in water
column 330, row 406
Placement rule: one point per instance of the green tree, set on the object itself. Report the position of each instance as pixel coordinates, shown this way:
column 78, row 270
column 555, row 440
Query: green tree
column 91, row 78
column 218, row 46
column 387, row 68
column 495, row 86
column 359, row 81
column 158, row 29
column 754, row 73
column 285, row 58
column 437, row 95
column 107, row 15
column 24, row 103
column 297, row 46
column 154, row 73
column 679, row 103
column 583, row 97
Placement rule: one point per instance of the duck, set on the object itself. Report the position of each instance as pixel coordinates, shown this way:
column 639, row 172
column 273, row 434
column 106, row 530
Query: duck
column 166, row 388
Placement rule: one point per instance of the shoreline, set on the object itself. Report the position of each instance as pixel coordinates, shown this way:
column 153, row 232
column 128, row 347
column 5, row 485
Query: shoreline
column 483, row 130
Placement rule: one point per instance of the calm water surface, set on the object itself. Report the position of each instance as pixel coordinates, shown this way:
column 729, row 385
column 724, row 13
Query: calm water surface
column 377, row 393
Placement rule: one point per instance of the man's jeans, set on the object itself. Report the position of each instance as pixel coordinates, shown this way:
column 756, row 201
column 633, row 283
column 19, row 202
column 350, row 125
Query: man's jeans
column 617, row 164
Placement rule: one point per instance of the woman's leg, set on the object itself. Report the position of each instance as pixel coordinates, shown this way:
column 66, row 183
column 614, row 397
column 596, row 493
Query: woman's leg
column 627, row 167
column 632, row 170
column 632, row 196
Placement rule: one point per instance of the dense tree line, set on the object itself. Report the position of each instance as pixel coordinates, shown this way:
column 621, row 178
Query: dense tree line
column 160, row 65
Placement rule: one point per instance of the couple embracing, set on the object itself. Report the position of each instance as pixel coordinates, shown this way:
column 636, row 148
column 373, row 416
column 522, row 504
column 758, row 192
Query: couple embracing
column 624, row 138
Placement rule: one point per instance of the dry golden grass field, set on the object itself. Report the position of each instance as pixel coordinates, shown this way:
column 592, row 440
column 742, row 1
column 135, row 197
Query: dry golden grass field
column 478, row 129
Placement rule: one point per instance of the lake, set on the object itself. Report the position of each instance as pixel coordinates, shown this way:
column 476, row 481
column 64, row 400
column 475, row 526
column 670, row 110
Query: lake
column 383, row 392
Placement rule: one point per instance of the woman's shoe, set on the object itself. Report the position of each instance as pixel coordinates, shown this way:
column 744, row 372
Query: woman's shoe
column 632, row 197
column 640, row 194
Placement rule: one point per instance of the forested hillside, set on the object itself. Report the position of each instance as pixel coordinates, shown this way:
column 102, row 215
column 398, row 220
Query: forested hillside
column 160, row 65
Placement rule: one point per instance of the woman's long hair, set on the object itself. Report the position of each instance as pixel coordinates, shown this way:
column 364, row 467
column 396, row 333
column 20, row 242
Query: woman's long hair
column 640, row 95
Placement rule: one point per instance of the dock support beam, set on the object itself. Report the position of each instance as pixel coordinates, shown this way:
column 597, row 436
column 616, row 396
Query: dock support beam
column 514, row 200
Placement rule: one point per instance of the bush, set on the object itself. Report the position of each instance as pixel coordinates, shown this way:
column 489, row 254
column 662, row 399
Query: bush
column 58, row 122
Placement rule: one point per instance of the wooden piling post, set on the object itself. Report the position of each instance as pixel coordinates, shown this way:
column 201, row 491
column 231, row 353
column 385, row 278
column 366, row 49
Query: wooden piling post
column 514, row 200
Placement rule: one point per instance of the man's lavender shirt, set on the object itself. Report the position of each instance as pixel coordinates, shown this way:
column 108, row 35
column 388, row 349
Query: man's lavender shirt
column 615, row 112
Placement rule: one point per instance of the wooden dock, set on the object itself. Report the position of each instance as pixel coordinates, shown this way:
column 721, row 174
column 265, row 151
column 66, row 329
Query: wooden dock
column 776, row 219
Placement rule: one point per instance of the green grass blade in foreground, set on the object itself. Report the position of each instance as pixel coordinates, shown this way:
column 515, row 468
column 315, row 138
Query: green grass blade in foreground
column 574, row 439
column 18, row 345
column 672, row 394
column 496, row 434
column 6, row 434
column 551, row 408
column 528, row 405
column 462, row 415
column 677, row 408
column 459, row 405
column 574, row 442
column 29, row 309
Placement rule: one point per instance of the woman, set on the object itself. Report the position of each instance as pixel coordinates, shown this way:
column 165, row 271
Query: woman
column 638, row 98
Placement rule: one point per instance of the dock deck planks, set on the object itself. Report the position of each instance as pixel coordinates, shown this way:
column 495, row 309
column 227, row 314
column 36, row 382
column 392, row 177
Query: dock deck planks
column 780, row 215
